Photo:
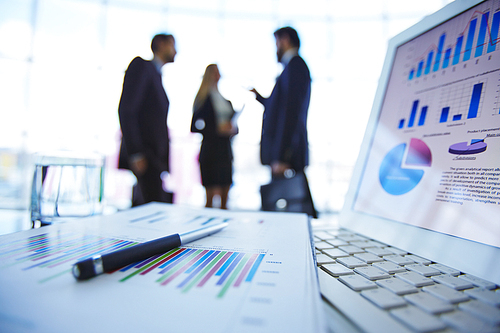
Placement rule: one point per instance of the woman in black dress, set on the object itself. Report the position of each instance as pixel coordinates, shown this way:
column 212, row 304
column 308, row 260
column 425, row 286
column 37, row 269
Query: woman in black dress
column 212, row 115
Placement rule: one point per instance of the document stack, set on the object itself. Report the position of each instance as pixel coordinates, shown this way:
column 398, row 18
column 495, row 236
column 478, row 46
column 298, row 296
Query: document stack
column 256, row 275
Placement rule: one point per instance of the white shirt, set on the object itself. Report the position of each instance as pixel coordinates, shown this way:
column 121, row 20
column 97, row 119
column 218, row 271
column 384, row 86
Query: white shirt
column 222, row 108
column 289, row 55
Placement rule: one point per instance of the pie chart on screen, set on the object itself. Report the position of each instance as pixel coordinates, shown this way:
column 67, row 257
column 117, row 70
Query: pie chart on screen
column 403, row 167
column 464, row 148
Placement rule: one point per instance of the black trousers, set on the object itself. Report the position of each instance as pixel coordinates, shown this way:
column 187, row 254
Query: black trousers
column 149, row 188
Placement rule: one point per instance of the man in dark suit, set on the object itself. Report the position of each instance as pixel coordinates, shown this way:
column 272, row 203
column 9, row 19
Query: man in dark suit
column 284, row 143
column 143, row 112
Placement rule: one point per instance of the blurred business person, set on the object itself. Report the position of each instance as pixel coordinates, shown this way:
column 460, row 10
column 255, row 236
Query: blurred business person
column 212, row 115
column 143, row 113
column 284, row 143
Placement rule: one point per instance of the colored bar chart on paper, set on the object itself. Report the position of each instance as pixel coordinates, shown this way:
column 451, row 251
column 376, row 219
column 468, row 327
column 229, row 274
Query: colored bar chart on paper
column 55, row 252
column 188, row 268
column 183, row 267
column 215, row 282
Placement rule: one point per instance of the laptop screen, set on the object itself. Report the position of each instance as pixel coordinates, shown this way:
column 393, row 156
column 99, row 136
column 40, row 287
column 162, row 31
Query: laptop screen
column 433, row 156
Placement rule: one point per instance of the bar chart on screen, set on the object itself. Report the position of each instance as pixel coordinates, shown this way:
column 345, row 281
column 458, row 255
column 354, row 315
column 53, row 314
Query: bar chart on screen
column 479, row 37
column 452, row 103
column 462, row 101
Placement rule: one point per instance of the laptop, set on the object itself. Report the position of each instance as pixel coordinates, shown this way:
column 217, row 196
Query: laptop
column 418, row 249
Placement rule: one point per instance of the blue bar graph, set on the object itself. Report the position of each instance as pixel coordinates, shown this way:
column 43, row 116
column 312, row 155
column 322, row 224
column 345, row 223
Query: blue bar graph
column 412, row 73
column 495, row 26
column 429, row 62
column 470, row 39
column 420, row 67
column 230, row 268
column 444, row 114
column 423, row 114
column 413, row 114
column 446, row 60
column 474, row 101
column 254, row 268
column 457, row 117
column 401, row 124
column 482, row 34
column 439, row 53
column 458, row 50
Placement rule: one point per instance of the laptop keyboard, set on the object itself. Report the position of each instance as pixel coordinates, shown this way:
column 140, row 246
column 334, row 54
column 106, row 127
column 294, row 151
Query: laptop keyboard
column 422, row 295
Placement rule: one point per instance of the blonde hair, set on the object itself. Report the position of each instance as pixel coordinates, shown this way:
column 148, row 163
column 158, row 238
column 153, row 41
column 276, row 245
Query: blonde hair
column 207, row 83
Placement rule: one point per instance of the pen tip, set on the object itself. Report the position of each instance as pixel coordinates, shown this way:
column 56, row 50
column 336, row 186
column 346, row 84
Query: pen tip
column 84, row 270
column 76, row 271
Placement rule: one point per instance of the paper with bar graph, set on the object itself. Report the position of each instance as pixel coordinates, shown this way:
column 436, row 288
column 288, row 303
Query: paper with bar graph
column 257, row 275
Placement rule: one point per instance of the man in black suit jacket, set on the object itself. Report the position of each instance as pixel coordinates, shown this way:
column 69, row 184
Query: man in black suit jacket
column 284, row 143
column 143, row 112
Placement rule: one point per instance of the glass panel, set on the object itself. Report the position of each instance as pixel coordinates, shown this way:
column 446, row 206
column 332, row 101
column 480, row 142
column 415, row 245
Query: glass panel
column 15, row 29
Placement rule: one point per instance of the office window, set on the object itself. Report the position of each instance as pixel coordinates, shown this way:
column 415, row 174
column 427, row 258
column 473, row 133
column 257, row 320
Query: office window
column 62, row 64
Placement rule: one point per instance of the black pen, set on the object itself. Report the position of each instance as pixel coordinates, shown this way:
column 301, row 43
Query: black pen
column 112, row 261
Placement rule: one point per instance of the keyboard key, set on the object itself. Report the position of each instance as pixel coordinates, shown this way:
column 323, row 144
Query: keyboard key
column 446, row 293
column 417, row 319
column 445, row 269
column 478, row 281
column 336, row 242
column 418, row 259
column 369, row 258
column 397, row 286
column 322, row 245
column 429, row 303
column 379, row 251
column 415, row 279
column 465, row 322
column 452, row 282
column 372, row 273
column 333, row 232
column 398, row 260
column 396, row 251
column 357, row 282
column 351, row 238
column 364, row 244
column 351, row 262
column 383, row 298
column 335, row 253
column 336, row 269
column 351, row 249
column 322, row 259
column 324, row 235
column 423, row 270
column 389, row 267
column 484, row 295
column 482, row 310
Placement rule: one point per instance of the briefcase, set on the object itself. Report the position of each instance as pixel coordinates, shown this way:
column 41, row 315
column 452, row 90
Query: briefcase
column 288, row 195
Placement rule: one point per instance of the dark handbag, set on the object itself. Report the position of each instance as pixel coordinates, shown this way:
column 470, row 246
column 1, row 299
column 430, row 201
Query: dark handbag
column 288, row 195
